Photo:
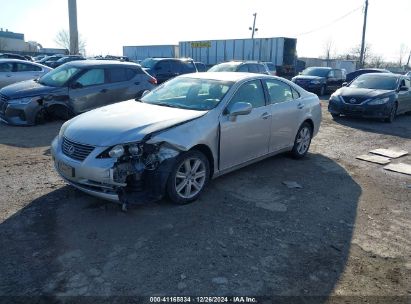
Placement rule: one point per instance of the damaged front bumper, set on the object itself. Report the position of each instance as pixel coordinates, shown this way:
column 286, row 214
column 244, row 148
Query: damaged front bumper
column 126, row 182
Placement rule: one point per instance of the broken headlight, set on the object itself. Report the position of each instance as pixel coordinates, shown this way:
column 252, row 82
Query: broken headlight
column 117, row 151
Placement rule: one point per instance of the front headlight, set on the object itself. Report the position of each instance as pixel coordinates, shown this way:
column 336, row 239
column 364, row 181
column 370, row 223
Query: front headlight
column 24, row 100
column 315, row 82
column 379, row 101
column 116, row 151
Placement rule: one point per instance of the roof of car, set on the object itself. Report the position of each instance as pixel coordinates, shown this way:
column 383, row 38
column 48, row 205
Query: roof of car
column 224, row 76
column 382, row 75
column 20, row 61
column 88, row 63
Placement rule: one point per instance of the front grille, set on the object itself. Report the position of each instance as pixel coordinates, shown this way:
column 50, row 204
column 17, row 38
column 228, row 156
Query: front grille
column 354, row 100
column 75, row 150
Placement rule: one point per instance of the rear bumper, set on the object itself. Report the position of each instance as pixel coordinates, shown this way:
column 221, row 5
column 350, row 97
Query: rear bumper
column 310, row 87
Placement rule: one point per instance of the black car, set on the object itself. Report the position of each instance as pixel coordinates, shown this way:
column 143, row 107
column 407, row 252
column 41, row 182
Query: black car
column 241, row 66
column 351, row 76
column 373, row 95
column 11, row 56
column 320, row 80
column 49, row 59
column 164, row 69
column 201, row 67
column 63, row 60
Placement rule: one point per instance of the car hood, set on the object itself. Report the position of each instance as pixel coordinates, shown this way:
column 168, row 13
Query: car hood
column 28, row 88
column 124, row 122
column 308, row 77
column 357, row 92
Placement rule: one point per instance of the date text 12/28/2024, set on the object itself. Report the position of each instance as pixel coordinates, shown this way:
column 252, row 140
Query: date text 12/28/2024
column 186, row 299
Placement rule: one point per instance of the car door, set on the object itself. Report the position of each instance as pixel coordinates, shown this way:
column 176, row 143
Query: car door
column 331, row 81
column 6, row 74
column 25, row 71
column 123, row 84
column 247, row 137
column 286, row 109
column 89, row 90
column 404, row 97
column 162, row 71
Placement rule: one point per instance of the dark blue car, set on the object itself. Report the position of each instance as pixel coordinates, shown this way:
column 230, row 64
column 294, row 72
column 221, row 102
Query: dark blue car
column 373, row 95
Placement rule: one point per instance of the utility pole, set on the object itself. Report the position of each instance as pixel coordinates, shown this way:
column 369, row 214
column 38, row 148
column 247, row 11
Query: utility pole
column 408, row 61
column 72, row 8
column 253, row 29
column 363, row 35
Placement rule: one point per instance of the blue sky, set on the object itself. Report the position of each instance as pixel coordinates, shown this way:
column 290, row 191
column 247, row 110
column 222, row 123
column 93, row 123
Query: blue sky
column 108, row 25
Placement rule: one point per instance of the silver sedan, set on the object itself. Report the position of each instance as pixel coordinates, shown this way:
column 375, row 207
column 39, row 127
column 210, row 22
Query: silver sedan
column 176, row 138
column 14, row 70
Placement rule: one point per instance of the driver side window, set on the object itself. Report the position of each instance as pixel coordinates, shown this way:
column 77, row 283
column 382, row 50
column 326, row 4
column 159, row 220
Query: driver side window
column 251, row 92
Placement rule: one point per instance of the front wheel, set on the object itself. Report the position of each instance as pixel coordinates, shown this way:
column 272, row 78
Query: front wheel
column 188, row 177
column 392, row 114
column 302, row 141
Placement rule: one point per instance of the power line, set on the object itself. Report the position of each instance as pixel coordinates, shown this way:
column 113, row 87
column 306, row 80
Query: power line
column 331, row 23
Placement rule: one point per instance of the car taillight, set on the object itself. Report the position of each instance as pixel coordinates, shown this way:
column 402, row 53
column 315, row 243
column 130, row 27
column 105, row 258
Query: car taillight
column 152, row 80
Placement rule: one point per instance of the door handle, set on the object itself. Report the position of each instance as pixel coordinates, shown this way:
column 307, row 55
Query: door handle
column 103, row 91
column 265, row 115
column 8, row 75
column 137, row 83
column 300, row 105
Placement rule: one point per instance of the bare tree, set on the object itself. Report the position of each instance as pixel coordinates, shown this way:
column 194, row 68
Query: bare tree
column 63, row 39
column 328, row 49
column 3, row 44
column 377, row 61
column 355, row 53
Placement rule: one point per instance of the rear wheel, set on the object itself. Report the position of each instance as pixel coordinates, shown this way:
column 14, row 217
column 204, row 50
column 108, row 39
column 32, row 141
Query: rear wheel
column 392, row 114
column 188, row 177
column 302, row 141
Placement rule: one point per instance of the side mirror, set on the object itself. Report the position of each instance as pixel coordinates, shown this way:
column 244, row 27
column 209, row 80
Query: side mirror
column 344, row 84
column 76, row 85
column 145, row 93
column 403, row 88
column 239, row 108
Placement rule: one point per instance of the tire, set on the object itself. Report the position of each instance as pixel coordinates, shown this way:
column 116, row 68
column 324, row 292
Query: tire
column 323, row 90
column 302, row 141
column 335, row 116
column 41, row 117
column 392, row 114
column 181, row 187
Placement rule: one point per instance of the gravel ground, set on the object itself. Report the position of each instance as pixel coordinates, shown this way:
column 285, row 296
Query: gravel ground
column 347, row 232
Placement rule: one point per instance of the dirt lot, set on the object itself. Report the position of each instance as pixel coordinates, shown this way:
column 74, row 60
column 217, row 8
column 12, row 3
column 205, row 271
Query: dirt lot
column 347, row 232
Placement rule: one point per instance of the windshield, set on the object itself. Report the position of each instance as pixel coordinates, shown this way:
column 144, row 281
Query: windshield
column 148, row 63
column 59, row 76
column 375, row 82
column 224, row 67
column 316, row 72
column 189, row 93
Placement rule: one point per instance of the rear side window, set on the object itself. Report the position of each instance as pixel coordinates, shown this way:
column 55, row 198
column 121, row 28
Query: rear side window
column 120, row 74
column 253, row 68
column 92, row 77
column 176, row 67
column 162, row 66
column 243, row 68
column 23, row 67
column 279, row 91
column 188, row 67
column 261, row 69
column 6, row 67
column 338, row 74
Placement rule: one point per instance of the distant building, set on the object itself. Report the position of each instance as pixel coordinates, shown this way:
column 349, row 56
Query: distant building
column 13, row 42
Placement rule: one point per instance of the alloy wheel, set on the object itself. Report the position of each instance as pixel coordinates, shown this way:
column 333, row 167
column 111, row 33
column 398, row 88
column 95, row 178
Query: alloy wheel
column 303, row 140
column 190, row 178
